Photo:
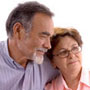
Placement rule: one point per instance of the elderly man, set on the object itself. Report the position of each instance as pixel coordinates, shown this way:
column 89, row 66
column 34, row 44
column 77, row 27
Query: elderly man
column 29, row 28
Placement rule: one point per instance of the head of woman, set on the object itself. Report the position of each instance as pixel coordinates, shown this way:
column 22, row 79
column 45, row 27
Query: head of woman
column 66, row 50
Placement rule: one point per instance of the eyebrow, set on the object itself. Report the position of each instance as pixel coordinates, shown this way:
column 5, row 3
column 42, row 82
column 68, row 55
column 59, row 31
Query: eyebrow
column 74, row 45
column 45, row 33
column 67, row 49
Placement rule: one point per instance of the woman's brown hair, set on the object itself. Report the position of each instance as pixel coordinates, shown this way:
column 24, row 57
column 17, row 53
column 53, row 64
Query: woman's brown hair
column 61, row 32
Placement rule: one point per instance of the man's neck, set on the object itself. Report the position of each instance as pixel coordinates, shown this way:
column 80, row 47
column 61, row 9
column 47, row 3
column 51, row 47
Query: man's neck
column 15, row 53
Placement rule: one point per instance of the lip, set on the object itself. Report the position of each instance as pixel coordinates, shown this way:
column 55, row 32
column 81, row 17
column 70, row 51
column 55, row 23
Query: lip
column 41, row 52
column 73, row 62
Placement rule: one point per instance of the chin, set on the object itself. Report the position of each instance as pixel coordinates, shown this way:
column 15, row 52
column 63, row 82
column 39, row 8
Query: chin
column 39, row 59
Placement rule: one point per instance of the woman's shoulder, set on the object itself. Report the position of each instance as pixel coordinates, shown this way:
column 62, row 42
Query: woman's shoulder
column 85, row 76
column 52, row 85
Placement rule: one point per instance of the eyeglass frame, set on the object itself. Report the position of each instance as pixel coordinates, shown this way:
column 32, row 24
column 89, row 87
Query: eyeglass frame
column 68, row 52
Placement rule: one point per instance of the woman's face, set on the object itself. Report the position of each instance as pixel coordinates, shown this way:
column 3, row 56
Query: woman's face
column 67, row 55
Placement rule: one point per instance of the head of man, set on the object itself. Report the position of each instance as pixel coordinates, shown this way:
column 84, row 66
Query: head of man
column 66, row 50
column 29, row 28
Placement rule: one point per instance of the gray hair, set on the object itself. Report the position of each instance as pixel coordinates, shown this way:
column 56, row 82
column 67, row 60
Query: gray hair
column 24, row 13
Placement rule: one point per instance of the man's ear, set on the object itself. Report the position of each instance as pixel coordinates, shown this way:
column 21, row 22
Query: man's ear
column 18, row 30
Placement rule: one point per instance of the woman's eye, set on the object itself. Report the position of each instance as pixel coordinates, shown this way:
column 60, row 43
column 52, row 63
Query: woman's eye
column 75, row 49
column 63, row 52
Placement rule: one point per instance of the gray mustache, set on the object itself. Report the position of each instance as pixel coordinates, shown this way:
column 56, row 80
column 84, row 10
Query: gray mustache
column 42, row 49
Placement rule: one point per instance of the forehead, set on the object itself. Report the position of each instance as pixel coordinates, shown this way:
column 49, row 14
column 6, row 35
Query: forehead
column 42, row 23
column 66, row 42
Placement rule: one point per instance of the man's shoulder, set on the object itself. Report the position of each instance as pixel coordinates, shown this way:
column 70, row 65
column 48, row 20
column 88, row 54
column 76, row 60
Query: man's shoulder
column 48, row 69
column 2, row 46
column 2, row 43
column 47, row 62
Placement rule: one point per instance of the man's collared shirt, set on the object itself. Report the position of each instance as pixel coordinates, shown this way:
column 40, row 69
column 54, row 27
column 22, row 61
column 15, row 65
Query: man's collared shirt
column 14, row 77
column 60, row 84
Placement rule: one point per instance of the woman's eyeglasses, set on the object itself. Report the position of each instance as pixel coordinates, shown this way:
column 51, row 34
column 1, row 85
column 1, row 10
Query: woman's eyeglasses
column 65, row 53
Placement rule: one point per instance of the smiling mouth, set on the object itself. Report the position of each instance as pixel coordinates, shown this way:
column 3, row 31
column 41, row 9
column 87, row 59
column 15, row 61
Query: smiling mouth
column 73, row 62
column 41, row 52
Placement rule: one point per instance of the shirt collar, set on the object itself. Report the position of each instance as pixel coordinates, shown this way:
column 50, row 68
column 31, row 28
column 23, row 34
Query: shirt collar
column 7, row 51
column 85, row 77
column 9, row 59
column 61, row 82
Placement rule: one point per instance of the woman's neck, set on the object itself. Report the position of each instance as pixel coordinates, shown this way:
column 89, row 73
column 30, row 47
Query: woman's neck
column 72, row 79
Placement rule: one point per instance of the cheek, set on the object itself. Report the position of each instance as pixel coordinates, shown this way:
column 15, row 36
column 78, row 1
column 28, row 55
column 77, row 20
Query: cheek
column 79, row 56
column 31, row 43
column 37, row 42
column 60, row 63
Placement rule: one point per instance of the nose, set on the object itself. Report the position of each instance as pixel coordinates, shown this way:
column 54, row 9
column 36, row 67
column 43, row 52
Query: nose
column 47, row 44
column 71, row 55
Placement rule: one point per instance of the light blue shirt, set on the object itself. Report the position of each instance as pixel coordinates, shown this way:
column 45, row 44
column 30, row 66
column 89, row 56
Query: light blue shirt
column 14, row 77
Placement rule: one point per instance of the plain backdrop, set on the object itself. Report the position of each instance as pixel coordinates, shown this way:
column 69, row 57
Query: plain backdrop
column 68, row 13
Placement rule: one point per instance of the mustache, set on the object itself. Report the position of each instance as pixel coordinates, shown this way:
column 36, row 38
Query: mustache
column 42, row 49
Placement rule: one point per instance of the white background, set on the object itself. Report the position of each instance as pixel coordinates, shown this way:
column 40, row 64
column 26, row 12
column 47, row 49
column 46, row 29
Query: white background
column 68, row 13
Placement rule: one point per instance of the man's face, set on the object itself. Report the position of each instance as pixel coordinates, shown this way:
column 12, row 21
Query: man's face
column 35, row 43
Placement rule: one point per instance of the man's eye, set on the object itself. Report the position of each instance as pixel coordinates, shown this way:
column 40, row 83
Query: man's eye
column 43, row 36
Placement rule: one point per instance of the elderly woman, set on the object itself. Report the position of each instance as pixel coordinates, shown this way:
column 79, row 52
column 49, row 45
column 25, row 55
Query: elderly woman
column 66, row 55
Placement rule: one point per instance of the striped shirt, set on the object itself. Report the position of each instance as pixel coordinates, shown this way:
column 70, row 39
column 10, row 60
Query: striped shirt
column 14, row 77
